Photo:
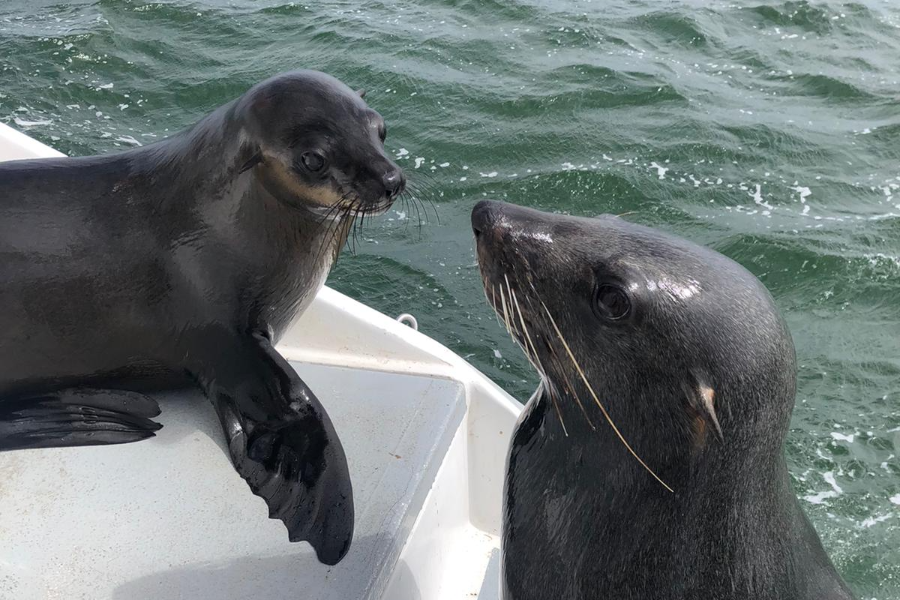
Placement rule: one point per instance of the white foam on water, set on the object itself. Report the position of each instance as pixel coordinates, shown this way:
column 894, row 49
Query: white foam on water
column 820, row 497
column 803, row 191
column 402, row 152
column 497, row 353
column 660, row 171
column 444, row 165
column 874, row 521
column 757, row 197
column 27, row 124
column 895, row 499
column 829, row 478
column 127, row 139
column 419, row 162
column 491, row 174
column 843, row 438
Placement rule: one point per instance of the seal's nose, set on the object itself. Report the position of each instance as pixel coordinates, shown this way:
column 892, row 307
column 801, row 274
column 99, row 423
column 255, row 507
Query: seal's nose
column 484, row 215
column 394, row 181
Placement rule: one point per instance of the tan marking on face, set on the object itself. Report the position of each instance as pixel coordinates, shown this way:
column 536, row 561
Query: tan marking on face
column 281, row 182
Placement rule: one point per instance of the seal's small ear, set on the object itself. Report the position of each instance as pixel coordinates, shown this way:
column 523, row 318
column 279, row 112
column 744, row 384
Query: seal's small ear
column 362, row 93
column 255, row 159
column 702, row 399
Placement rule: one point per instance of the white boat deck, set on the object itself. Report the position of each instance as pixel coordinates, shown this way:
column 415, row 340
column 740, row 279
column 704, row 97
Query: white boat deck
column 425, row 436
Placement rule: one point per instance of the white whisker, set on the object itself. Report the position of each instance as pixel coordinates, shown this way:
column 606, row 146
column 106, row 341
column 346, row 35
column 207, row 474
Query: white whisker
column 536, row 361
column 505, row 315
column 597, row 400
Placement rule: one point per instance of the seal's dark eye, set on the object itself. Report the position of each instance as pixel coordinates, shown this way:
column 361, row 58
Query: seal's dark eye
column 612, row 302
column 313, row 161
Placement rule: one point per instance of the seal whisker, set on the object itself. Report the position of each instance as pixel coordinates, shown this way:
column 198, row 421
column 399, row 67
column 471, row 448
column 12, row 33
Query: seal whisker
column 597, row 400
column 571, row 391
column 569, row 388
column 494, row 304
column 558, row 411
column 332, row 226
column 509, row 300
column 418, row 188
column 505, row 316
column 415, row 205
column 535, row 359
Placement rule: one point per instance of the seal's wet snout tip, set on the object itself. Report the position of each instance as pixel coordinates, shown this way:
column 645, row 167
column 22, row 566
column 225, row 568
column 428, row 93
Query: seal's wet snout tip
column 394, row 182
column 484, row 216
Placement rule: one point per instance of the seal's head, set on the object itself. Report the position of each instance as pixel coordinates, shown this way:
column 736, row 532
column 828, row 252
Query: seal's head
column 679, row 344
column 315, row 144
column 659, row 356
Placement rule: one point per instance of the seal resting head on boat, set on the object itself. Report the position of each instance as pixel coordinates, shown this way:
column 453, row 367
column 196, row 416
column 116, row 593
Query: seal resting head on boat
column 184, row 261
column 650, row 462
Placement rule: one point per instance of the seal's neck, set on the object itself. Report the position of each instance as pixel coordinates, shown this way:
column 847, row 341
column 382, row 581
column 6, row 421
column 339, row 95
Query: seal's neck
column 207, row 157
column 627, row 522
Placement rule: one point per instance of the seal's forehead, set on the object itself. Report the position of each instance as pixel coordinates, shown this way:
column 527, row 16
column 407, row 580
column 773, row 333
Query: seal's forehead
column 652, row 258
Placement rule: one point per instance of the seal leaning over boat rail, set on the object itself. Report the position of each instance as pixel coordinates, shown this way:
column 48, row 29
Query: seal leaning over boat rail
column 182, row 263
column 650, row 462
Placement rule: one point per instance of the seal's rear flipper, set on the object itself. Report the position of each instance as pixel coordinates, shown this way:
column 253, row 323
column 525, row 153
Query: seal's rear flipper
column 76, row 417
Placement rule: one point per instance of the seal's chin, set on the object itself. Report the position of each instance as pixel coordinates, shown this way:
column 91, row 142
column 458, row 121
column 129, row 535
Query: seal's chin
column 378, row 208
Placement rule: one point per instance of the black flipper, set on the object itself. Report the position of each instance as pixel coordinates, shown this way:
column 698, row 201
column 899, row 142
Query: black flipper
column 281, row 441
column 76, row 417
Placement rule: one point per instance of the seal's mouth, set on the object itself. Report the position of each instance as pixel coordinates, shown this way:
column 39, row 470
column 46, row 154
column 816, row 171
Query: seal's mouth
column 348, row 203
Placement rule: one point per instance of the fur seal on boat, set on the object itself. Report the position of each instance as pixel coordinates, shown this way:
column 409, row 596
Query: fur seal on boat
column 649, row 463
column 190, row 257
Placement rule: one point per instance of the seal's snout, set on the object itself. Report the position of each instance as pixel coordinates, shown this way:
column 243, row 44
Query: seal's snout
column 484, row 216
column 394, row 182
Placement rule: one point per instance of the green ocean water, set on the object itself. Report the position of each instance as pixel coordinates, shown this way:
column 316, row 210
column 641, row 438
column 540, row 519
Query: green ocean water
column 767, row 130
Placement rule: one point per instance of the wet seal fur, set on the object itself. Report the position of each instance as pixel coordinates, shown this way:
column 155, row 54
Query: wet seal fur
column 183, row 262
column 665, row 366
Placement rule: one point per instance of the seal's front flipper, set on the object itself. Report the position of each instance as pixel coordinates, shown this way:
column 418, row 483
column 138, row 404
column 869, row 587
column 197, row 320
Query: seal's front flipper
column 283, row 443
column 76, row 417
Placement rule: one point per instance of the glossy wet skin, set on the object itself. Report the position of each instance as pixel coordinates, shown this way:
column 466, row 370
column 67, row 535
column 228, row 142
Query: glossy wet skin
column 320, row 146
column 182, row 263
column 649, row 463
